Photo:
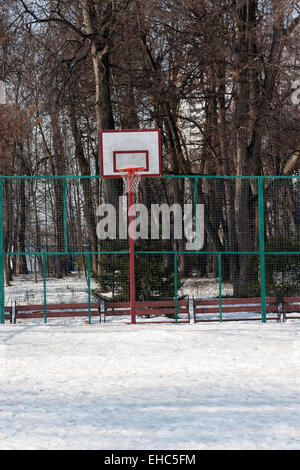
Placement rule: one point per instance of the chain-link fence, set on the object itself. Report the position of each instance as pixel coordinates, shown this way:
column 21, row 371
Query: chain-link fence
column 231, row 245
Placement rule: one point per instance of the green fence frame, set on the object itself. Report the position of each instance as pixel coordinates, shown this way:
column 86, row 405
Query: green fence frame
column 261, row 253
column 2, row 294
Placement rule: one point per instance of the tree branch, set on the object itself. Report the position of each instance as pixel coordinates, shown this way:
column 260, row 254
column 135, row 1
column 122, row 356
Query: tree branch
column 291, row 28
column 53, row 19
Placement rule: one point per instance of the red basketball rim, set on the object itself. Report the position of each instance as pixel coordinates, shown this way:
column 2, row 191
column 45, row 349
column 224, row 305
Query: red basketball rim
column 130, row 171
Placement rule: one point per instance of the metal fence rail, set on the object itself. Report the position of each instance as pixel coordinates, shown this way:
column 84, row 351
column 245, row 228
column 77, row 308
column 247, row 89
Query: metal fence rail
column 252, row 235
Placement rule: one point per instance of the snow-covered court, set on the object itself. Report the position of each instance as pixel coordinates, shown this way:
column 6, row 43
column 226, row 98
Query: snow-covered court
column 117, row 386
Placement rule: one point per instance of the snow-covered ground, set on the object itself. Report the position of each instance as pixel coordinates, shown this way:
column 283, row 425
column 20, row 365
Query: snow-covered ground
column 205, row 288
column 24, row 291
column 113, row 386
column 73, row 289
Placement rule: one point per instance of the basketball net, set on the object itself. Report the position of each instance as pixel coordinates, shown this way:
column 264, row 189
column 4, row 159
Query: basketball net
column 131, row 179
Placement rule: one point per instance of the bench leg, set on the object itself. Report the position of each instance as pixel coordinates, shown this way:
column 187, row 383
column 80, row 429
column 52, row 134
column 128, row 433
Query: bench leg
column 284, row 318
column 278, row 317
column 13, row 313
column 281, row 317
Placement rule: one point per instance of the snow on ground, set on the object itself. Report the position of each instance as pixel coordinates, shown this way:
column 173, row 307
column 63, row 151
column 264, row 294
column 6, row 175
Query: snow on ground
column 73, row 289
column 113, row 386
column 207, row 288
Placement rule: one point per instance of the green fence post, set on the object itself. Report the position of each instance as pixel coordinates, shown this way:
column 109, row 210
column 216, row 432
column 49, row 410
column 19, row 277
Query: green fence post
column 176, row 287
column 89, row 287
column 220, row 287
column 2, row 293
column 45, row 286
column 262, row 247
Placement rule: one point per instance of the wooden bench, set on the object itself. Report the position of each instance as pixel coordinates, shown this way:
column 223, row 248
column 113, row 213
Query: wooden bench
column 290, row 305
column 233, row 306
column 7, row 313
column 57, row 311
column 157, row 308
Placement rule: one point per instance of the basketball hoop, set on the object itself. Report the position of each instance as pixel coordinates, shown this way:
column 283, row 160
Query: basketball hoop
column 131, row 155
column 131, row 178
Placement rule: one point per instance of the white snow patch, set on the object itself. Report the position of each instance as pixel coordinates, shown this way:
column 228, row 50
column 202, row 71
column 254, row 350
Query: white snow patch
column 207, row 288
column 71, row 289
column 110, row 386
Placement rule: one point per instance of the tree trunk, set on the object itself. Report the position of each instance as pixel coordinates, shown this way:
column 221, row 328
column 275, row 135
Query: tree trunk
column 59, row 162
column 21, row 267
column 88, row 199
column 101, row 65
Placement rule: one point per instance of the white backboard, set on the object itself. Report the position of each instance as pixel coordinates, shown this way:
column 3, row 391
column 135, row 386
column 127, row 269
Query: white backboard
column 130, row 149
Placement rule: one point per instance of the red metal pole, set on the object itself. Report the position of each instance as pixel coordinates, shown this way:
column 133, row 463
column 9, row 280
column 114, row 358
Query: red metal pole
column 131, row 251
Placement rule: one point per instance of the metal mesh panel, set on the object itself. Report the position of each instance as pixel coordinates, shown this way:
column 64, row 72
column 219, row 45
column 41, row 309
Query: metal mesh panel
column 282, row 214
column 244, row 245
column 154, row 277
column 283, row 275
column 231, row 213
column 112, row 278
